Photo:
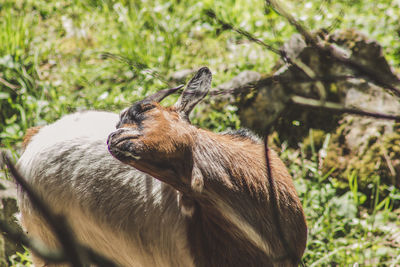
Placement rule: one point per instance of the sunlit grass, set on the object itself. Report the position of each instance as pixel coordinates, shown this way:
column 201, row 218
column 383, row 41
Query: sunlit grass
column 342, row 229
column 52, row 59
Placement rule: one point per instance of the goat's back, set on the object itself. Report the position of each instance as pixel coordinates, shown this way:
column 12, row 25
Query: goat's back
column 112, row 207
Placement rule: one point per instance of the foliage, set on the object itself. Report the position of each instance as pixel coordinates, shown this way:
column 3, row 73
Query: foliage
column 57, row 57
column 21, row 259
column 342, row 231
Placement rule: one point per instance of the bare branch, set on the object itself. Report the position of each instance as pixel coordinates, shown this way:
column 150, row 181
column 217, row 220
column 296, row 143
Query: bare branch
column 340, row 108
column 279, row 79
column 289, row 248
column 367, row 71
column 54, row 256
column 57, row 223
column 328, row 49
column 299, row 27
column 251, row 37
column 282, row 53
column 334, row 51
column 138, row 66
column 73, row 251
column 47, row 254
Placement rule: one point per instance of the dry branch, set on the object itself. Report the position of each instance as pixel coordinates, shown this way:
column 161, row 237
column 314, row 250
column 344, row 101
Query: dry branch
column 50, row 255
column 57, row 223
column 71, row 250
column 330, row 50
column 335, row 52
column 314, row 103
column 251, row 37
column 273, row 197
column 137, row 66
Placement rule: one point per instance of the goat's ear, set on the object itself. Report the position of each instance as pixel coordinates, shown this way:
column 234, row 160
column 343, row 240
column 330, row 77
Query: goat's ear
column 195, row 91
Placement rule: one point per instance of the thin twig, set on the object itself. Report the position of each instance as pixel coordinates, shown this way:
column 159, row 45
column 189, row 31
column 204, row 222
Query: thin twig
column 57, row 223
column 333, row 50
column 314, row 103
column 74, row 252
column 268, row 81
column 367, row 71
column 279, row 9
column 339, row 55
column 251, row 37
column 302, row 66
column 138, row 66
column 273, row 198
column 282, row 53
column 336, row 21
column 47, row 254
column 327, row 48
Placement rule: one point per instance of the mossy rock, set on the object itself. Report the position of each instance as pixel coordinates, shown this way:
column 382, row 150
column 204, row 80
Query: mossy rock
column 379, row 158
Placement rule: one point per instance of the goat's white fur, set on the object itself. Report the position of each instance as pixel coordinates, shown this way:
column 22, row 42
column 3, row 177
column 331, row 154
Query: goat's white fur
column 115, row 209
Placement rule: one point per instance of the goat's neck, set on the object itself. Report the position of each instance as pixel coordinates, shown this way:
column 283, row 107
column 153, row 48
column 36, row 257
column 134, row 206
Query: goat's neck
column 232, row 163
column 231, row 211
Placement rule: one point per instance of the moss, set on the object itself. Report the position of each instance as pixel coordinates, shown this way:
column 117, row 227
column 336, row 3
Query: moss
column 380, row 158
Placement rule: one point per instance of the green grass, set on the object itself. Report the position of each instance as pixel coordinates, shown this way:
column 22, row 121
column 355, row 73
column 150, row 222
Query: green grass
column 342, row 231
column 52, row 62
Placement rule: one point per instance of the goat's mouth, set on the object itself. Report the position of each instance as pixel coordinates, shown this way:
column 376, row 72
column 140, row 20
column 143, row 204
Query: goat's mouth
column 122, row 147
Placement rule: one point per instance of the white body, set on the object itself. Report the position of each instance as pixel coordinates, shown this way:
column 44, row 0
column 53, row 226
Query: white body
column 115, row 209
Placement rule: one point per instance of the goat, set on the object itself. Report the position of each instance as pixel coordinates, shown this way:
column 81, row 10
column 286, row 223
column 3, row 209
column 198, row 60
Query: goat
column 209, row 205
column 221, row 182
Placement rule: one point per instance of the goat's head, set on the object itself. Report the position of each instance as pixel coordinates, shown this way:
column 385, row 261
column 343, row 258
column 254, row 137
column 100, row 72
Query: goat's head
column 158, row 140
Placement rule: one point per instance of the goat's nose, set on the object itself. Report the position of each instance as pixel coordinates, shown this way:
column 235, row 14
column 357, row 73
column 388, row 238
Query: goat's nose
column 127, row 132
column 111, row 136
column 115, row 134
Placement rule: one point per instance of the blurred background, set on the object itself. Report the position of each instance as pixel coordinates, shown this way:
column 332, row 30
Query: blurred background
column 57, row 57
